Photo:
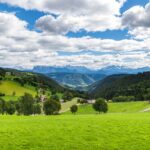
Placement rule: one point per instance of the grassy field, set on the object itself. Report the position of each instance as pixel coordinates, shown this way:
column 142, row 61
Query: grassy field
column 8, row 87
column 66, row 106
column 76, row 132
column 122, row 107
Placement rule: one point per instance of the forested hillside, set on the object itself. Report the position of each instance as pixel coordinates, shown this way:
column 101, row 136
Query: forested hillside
column 136, row 87
column 14, row 83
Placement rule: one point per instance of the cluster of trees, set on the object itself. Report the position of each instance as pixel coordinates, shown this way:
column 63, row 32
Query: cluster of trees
column 100, row 106
column 138, row 97
column 27, row 105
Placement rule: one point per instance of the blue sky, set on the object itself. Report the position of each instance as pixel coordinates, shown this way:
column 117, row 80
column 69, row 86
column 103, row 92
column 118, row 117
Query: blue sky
column 103, row 34
column 32, row 15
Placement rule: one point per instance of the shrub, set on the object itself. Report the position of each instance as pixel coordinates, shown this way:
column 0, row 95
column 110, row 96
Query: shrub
column 74, row 109
column 2, row 94
column 123, row 98
column 67, row 96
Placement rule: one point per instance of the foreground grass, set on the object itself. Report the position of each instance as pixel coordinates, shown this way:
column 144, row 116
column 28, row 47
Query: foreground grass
column 122, row 107
column 76, row 132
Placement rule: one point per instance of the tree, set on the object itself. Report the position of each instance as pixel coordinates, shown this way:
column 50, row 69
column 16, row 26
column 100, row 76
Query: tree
column 51, row 107
column 100, row 105
column 55, row 97
column 2, row 106
column 10, row 107
column 74, row 109
column 67, row 96
column 25, row 104
column 36, row 109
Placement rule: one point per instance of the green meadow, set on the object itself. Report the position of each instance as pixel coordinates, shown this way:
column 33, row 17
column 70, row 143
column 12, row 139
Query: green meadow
column 126, row 126
column 8, row 87
column 76, row 132
column 120, row 107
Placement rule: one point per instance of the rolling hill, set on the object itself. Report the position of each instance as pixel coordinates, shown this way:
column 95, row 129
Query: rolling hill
column 14, row 83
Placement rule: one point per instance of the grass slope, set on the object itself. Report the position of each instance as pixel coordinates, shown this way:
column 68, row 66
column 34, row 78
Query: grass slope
column 122, row 107
column 76, row 132
column 66, row 106
column 8, row 87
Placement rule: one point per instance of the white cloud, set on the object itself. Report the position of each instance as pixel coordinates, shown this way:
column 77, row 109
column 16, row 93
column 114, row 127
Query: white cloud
column 137, row 20
column 75, row 14
column 24, row 48
column 60, row 25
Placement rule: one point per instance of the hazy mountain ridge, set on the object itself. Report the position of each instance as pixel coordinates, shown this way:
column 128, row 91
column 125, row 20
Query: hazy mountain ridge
column 79, row 77
column 76, row 80
column 83, row 70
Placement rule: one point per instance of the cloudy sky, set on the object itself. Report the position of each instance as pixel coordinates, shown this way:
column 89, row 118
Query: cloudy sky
column 91, row 33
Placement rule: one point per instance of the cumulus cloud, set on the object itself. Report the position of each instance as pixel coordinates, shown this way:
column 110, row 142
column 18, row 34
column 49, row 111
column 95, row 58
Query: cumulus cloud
column 7, row 19
column 60, row 25
column 75, row 14
column 137, row 16
column 21, row 47
column 137, row 20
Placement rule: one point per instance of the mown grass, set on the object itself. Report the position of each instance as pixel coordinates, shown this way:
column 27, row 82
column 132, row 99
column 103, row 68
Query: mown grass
column 8, row 87
column 76, row 132
column 122, row 107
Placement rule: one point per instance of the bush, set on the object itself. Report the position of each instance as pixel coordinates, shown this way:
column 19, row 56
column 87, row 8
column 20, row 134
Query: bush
column 123, row 99
column 139, row 97
column 2, row 94
column 68, row 96
column 100, row 105
column 74, row 109
column 51, row 107
column 82, row 101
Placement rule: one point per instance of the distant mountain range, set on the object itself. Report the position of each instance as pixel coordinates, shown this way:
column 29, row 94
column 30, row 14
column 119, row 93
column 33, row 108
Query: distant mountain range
column 110, row 70
column 78, row 77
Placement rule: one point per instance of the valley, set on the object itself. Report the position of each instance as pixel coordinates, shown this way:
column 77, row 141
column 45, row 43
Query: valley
column 61, row 129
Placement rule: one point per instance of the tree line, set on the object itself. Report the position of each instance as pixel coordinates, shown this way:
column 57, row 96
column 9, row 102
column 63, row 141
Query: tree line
column 27, row 105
